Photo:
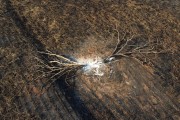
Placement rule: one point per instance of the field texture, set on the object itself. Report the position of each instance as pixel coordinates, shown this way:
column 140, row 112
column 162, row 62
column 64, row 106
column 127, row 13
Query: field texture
column 144, row 87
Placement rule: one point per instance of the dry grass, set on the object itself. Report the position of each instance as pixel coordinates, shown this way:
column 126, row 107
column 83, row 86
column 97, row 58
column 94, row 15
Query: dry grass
column 81, row 29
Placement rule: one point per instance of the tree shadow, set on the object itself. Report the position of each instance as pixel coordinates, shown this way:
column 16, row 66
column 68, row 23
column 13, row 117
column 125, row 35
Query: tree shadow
column 68, row 87
column 73, row 97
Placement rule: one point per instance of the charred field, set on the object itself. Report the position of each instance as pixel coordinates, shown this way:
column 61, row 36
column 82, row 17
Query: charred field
column 89, row 59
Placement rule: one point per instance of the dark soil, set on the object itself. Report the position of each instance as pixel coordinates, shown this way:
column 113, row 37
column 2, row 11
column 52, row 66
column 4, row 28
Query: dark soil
column 137, row 88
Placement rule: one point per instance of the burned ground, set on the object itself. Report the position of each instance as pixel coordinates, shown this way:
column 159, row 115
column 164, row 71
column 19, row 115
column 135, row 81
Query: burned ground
column 137, row 88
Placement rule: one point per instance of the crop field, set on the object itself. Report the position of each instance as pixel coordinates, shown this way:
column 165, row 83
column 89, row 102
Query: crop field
column 89, row 60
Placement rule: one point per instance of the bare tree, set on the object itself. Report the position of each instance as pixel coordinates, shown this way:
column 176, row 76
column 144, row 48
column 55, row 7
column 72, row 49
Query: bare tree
column 136, row 47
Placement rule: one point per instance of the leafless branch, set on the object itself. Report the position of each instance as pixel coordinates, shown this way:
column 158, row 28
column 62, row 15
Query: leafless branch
column 133, row 46
column 56, row 67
